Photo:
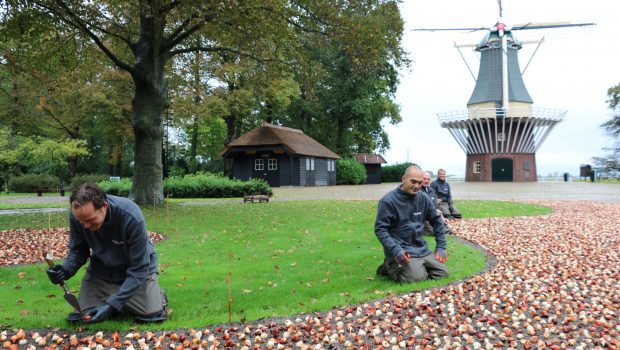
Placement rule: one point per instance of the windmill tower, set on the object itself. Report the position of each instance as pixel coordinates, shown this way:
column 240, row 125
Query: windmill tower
column 501, row 130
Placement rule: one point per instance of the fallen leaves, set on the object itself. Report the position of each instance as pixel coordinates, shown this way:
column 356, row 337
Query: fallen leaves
column 555, row 286
column 27, row 246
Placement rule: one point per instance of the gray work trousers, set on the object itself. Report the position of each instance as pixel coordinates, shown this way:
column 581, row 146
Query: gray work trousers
column 447, row 209
column 149, row 299
column 418, row 269
column 428, row 229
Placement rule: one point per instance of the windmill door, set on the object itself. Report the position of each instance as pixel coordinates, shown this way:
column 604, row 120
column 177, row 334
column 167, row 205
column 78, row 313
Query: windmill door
column 502, row 169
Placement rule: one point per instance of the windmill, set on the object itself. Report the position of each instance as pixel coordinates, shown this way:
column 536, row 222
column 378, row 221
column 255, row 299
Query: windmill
column 501, row 130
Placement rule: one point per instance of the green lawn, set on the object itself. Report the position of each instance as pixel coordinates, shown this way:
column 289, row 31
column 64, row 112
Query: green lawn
column 276, row 259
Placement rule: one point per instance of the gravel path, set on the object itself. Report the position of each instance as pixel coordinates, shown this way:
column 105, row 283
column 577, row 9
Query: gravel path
column 555, row 286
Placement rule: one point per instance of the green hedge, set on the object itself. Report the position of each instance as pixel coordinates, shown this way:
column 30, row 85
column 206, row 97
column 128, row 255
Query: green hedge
column 82, row 178
column 31, row 182
column 394, row 173
column 213, row 186
column 350, row 172
column 196, row 186
column 120, row 188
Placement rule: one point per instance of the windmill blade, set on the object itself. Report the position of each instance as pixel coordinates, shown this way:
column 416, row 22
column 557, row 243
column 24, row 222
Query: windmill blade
column 545, row 25
column 449, row 29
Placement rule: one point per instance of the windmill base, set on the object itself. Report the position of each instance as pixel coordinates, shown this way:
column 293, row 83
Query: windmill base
column 507, row 167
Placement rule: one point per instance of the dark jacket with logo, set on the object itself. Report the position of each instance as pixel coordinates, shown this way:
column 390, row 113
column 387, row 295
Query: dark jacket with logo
column 400, row 224
column 442, row 189
column 120, row 252
column 430, row 192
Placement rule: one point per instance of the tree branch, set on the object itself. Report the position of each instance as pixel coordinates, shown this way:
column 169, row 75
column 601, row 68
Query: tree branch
column 220, row 49
column 296, row 24
column 74, row 20
column 60, row 125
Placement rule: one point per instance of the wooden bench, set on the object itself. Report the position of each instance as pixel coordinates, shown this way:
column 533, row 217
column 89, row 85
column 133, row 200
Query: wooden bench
column 255, row 197
column 39, row 191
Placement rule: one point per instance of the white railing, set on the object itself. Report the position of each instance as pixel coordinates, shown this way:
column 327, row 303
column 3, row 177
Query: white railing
column 517, row 112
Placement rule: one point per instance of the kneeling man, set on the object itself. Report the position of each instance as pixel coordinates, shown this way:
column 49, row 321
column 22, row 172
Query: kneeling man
column 399, row 226
column 122, row 275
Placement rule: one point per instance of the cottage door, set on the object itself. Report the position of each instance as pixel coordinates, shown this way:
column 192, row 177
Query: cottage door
column 267, row 169
column 310, row 181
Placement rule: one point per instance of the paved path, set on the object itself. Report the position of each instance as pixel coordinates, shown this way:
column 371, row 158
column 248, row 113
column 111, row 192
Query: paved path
column 512, row 191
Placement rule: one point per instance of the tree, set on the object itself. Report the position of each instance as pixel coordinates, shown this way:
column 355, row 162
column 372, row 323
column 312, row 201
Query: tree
column 60, row 87
column 52, row 157
column 142, row 36
column 610, row 165
column 13, row 150
column 344, row 102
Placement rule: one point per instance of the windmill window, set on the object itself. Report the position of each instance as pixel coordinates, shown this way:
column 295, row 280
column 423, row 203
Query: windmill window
column 526, row 165
column 259, row 164
column 500, row 137
column 477, row 166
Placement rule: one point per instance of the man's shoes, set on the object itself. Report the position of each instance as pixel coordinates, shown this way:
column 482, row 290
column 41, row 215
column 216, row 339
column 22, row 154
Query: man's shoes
column 382, row 270
column 156, row 318
column 74, row 317
column 457, row 215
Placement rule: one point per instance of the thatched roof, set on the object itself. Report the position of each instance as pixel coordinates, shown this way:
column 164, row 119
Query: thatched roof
column 369, row 158
column 275, row 135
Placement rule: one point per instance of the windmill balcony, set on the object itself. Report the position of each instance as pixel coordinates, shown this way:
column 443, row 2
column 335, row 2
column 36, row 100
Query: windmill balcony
column 499, row 131
column 550, row 114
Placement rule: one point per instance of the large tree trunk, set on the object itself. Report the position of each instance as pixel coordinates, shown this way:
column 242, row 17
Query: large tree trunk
column 148, row 106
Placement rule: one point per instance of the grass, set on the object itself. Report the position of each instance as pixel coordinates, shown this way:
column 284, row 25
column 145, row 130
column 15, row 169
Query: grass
column 278, row 259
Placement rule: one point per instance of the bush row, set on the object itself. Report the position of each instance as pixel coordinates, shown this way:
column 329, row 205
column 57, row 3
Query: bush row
column 394, row 173
column 189, row 186
column 31, row 182
column 213, row 186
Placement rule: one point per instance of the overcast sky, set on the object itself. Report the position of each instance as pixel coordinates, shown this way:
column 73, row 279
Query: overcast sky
column 572, row 70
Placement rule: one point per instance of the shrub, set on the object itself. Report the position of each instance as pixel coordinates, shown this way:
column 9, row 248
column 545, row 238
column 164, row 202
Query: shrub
column 196, row 186
column 394, row 173
column 350, row 172
column 30, row 182
column 205, row 185
column 82, row 178
column 116, row 188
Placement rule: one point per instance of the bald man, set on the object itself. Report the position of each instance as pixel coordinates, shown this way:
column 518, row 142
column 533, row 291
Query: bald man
column 399, row 226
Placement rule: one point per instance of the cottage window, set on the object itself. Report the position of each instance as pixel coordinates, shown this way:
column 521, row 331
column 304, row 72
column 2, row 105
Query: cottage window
column 259, row 164
column 477, row 166
column 311, row 163
column 272, row 164
column 307, row 163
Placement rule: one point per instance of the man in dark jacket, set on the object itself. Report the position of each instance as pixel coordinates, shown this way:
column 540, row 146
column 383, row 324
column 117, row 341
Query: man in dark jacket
column 399, row 227
column 122, row 274
column 442, row 189
column 428, row 190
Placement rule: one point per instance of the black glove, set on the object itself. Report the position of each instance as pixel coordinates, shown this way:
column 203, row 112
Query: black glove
column 99, row 314
column 57, row 274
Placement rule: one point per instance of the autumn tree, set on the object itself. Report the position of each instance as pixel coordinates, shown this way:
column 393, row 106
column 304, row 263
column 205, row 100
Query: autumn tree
column 348, row 87
column 610, row 164
column 142, row 36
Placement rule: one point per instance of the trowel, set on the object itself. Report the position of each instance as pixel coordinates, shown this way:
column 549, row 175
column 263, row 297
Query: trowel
column 70, row 298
